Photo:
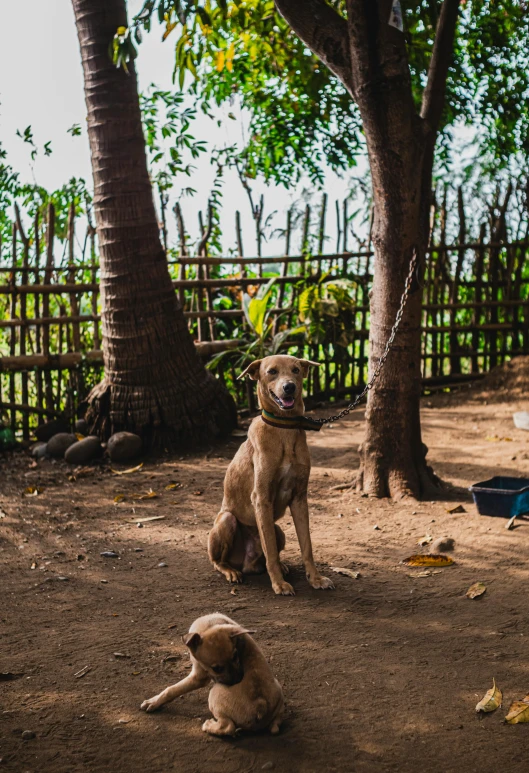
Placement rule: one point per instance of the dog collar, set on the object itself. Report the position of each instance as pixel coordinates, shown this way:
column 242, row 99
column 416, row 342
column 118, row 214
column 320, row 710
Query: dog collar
column 290, row 422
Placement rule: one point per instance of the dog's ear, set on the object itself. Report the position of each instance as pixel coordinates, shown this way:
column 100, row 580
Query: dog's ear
column 192, row 641
column 252, row 370
column 306, row 364
column 239, row 632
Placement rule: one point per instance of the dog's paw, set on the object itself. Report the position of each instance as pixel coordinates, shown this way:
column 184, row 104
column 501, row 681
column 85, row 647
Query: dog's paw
column 320, row 582
column 151, row 704
column 283, row 588
column 232, row 575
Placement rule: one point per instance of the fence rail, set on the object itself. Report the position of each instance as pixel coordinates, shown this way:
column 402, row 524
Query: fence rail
column 475, row 310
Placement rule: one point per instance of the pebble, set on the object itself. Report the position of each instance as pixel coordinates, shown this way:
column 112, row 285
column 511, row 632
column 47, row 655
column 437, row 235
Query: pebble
column 138, row 550
column 84, row 451
column 162, row 564
column 109, row 554
column 268, row 766
column 124, row 446
column 27, row 735
column 376, row 528
column 105, row 582
column 139, row 525
column 442, row 545
column 59, row 444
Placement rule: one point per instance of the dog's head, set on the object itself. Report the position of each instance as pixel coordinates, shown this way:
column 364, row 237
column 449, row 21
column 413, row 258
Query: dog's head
column 280, row 381
column 219, row 650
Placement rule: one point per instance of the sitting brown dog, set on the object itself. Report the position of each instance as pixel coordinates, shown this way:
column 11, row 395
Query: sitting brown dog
column 245, row 695
column 269, row 473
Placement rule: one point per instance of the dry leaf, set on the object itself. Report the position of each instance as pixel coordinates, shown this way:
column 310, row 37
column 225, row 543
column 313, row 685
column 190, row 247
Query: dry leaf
column 425, row 540
column 518, row 712
column 150, row 494
column 510, row 523
column 458, row 509
column 492, row 438
column 345, row 572
column 492, row 699
column 436, row 559
column 173, row 486
column 119, row 498
column 33, row 491
column 476, row 590
column 80, row 436
column 127, row 472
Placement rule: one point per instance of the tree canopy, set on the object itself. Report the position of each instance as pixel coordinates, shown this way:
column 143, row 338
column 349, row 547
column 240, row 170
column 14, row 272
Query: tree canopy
column 301, row 117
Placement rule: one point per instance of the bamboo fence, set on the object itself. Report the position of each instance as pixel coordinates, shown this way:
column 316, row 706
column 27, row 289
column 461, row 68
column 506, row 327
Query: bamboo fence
column 475, row 307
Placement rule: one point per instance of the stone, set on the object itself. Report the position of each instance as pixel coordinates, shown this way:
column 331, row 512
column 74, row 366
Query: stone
column 124, row 446
column 442, row 545
column 47, row 430
column 84, row 451
column 81, row 426
column 58, row 444
column 39, row 450
column 27, row 735
column 109, row 554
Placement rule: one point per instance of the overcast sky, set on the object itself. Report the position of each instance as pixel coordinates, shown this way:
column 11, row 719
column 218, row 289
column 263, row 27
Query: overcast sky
column 41, row 85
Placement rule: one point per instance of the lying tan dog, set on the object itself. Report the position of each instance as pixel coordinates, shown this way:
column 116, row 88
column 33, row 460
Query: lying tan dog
column 245, row 695
column 269, row 473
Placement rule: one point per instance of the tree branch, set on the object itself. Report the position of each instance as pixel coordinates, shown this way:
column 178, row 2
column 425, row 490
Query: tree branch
column 323, row 30
column 434, row 93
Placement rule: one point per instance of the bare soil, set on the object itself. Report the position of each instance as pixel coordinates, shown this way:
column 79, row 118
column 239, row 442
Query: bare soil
column 382, row 674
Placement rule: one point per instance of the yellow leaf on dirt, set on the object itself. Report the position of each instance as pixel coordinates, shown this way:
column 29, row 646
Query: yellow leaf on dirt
column 492, row 699
column 127, row 472
column 518, row 712
column 436, row 559
column 345, row 572
column 80, row 436
column 33, row 491
column 119, row 498
column 150, row 494
column 476, row 590
column 173, row 486
column 492, row 438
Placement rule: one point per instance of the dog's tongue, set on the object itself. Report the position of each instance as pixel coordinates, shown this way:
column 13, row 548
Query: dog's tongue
column 288, row 402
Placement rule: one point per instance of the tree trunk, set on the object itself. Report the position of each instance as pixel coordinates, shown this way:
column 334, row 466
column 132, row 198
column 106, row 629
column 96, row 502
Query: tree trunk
column 392, row 455
column 154, row 382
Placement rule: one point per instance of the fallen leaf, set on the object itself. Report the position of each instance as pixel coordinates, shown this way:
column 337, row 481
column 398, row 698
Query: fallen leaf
column 82, row 672
column 492, row 438
column 425, row 540
column 436, row 559
column 510, row 523
column 345, row 572
column 426, row 573
column 476, row 590
column 173, row 486
column 33, row 491
column 518, row 712
column 135, row 673
column 127, row 472
column 169, row 658
column 79, row 436
column 119, row 498
column 150, row 494
column 507, row 439
column 173, row 625
column 458, row 509
column 151, row 518
column 491, row 701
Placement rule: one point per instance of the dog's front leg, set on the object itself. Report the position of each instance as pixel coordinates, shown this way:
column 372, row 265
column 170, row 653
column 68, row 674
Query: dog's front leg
column 264, row 515
column 196, row 679
column 299, row 508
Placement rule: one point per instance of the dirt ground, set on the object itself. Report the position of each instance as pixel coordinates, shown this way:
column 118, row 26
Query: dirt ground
column 381, row 674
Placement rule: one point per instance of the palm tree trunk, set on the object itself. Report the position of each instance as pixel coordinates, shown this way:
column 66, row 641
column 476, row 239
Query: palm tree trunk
column 154, row 382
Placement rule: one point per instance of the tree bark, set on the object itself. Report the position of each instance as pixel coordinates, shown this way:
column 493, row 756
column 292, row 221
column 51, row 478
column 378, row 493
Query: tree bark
column 370, row 58
column 154, row 382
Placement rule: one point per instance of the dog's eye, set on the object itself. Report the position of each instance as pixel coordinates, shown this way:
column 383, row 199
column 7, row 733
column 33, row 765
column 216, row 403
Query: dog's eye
column 272, row 372
column 295, row 370
column 218, row 669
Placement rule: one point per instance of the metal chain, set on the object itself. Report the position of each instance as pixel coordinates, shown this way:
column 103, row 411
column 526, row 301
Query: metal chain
column 381, row 362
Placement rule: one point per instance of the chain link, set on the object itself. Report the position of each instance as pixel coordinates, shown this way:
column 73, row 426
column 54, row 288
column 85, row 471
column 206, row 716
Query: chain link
column 381, row 362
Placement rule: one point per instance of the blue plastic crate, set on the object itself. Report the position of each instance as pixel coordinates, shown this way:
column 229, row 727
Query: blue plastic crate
column 502, row 496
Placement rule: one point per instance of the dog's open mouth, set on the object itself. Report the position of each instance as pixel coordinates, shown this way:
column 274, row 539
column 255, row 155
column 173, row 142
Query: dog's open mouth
column 285, row 403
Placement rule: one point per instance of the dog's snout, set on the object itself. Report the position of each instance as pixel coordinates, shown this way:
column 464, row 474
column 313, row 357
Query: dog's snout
column 289, row 388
